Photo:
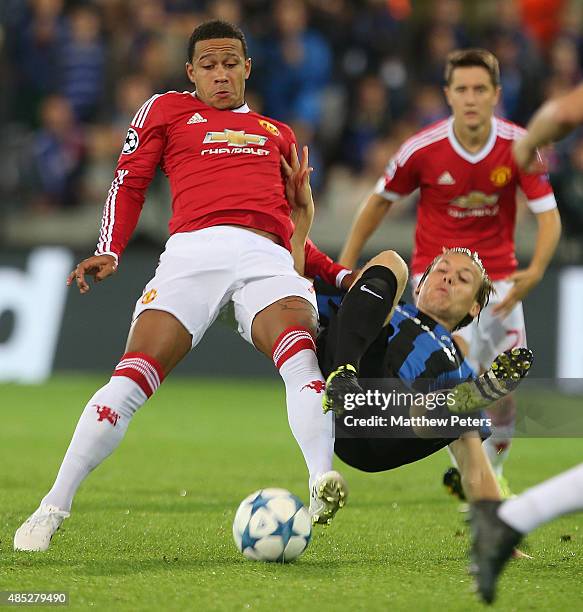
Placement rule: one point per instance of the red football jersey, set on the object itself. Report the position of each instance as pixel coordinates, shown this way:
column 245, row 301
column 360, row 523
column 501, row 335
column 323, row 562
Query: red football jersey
column 223, row 166
column 466, row 200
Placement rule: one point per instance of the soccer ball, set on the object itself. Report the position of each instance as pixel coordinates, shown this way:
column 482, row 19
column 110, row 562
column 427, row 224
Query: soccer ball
column 272, row 525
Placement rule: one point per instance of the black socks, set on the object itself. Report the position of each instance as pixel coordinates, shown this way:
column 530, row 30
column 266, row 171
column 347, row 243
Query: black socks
column 362, row 314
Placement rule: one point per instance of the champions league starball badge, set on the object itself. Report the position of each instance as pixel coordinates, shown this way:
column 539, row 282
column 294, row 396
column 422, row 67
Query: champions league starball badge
column 131, row 142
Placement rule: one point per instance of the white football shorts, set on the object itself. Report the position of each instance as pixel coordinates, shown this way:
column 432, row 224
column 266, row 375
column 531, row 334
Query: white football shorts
column 491, row 335
column 200, row 272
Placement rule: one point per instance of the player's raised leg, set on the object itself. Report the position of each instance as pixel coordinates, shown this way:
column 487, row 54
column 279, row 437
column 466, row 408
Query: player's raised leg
column 157, row 342
column 376, row 291
column 285, row 331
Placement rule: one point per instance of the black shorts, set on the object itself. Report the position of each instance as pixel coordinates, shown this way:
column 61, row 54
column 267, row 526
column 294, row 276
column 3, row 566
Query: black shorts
column 381, row 454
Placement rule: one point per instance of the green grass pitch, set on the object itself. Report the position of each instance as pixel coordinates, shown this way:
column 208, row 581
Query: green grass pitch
column 151, row 528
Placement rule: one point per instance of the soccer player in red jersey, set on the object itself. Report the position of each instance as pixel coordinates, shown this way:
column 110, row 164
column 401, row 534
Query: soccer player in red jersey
column 231, row 232
column 468, row 181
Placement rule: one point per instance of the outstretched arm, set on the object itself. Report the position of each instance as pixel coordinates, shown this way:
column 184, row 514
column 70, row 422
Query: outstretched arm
column 367, row 220
column 140, row 155
column 400, row 179
column 553, row 121
column 547, row 239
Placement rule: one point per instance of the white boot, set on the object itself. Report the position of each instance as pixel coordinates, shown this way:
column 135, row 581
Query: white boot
column 36, row 532
column 327, row 496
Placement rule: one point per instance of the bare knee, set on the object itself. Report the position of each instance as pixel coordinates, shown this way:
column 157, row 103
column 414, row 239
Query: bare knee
column 161, row 336
column 395, row 263
column 291, row 311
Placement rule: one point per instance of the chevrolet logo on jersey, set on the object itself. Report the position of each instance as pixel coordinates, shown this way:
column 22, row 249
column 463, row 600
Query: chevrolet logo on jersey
column 235, row 138
column 475, row 204
column 475, row 199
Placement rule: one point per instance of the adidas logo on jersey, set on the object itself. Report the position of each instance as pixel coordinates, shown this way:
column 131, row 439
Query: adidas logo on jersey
column 196, row 118
column 446, row 179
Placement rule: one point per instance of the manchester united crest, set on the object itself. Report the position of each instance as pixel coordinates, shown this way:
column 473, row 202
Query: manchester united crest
column 501, row 176
column 269, row 127
column 149, row 296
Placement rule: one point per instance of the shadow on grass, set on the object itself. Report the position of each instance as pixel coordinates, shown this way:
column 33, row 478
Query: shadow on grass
column 135, row 506
column 20, row 563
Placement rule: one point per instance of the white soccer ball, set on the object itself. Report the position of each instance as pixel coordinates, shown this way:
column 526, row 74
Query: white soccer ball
column 272, row 525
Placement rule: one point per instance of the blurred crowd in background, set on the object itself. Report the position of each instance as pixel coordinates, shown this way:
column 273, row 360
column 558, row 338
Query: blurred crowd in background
column 354, row 78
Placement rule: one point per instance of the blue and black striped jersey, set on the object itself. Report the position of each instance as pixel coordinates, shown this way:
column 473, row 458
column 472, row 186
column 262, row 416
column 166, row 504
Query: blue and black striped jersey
column 413, row 348
column 422, row 353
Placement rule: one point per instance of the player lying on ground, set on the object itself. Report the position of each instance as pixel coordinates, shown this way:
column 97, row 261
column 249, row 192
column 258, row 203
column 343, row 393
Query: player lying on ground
column 418, row 348
column 230, row 241
column 373, row 337
column 497, row 528
column 468, row 183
